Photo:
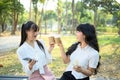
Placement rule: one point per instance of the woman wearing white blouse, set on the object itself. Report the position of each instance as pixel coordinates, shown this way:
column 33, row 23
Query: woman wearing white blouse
column 33, row 53
column 83, row 57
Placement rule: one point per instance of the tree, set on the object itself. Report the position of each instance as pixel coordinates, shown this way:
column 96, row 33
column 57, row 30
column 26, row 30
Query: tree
column 66, row 21
column 81, row 13
column 73, row 19
column 112, row 7
column 66, row 15
column 30, row 10
column 101, row 18
column 59, row 11
column 41, row 14
column 4, row 13
column 93, row 5
column 48, row 15
column 16, row 9
column 35, row 9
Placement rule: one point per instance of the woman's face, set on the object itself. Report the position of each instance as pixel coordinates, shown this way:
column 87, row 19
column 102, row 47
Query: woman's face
column 80, row 36
column 31, row 34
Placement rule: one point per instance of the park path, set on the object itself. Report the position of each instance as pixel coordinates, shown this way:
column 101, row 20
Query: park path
column 8, row 43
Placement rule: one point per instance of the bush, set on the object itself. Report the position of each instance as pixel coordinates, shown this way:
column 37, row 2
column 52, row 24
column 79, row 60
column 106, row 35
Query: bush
column 108, row 29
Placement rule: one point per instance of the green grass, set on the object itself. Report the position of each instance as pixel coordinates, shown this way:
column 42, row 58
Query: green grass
column 107, row 39
column 109, row 50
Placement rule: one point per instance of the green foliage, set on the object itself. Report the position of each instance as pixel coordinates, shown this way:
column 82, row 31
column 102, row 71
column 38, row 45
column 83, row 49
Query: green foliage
column 59, row 8
column 107, row 29
column 108, row 12
column 113, row 7
column 42, row 1
column 7, row 8
column 23, row 18
column 110, row 6
column 35, row 5
column 4, row 11
column 16, row 6
column 91, row 4
column 50, row 14
column 81, row 13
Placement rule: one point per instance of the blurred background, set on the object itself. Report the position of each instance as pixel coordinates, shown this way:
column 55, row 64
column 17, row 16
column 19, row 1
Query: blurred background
column 61, row 17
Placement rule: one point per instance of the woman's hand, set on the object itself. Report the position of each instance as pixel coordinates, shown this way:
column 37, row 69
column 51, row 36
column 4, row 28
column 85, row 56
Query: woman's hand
column 61, row 47
column 77, row 68
column 60, row 44
column 88, row 72
column 31, row 63
column 51, row 46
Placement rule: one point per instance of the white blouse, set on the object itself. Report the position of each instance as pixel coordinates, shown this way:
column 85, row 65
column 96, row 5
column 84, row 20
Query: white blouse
column 84, row 57
column 27, row 51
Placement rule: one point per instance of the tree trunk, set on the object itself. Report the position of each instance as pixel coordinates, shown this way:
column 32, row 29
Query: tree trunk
column 3, row 27
column 59, row 27
column 45, row 26
column 15, row 21
column 51, row 24
column 72, row 29
column 35, row 17
column 59, row 16
column 66, row 25
column 40, row 19
column 30, row 10
column 119, row 32
column 36, row 12
column 118, row 26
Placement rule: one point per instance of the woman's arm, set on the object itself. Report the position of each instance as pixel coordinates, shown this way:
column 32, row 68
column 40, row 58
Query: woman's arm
column 93, row 62
column 66, row 59
column 88, row 72
column 27, row 67
column 51, row 46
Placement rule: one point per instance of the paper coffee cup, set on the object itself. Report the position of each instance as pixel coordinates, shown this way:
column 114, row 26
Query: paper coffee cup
column 57, row 39
column 51, row 40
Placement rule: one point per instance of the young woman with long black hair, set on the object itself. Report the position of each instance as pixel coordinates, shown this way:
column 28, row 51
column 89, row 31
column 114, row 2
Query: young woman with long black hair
column 83, row 57
column 33, row 54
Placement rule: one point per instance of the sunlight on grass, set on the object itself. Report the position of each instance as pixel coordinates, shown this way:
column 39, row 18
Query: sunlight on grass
column 12, row 65
column 109, row 48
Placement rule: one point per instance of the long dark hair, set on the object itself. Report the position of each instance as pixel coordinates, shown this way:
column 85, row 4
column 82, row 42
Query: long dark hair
column 90, row 35
column 26, row 27
column 90, row 38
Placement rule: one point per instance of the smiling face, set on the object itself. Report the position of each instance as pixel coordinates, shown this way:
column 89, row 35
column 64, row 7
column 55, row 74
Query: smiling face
column 80, row 36
column 31, row 34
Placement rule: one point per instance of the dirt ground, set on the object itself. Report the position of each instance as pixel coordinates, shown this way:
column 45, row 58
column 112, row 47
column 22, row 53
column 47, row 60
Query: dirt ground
column 109, row 68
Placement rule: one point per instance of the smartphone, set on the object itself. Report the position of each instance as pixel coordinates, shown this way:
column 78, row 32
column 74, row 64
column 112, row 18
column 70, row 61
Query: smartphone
column 28, row 59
